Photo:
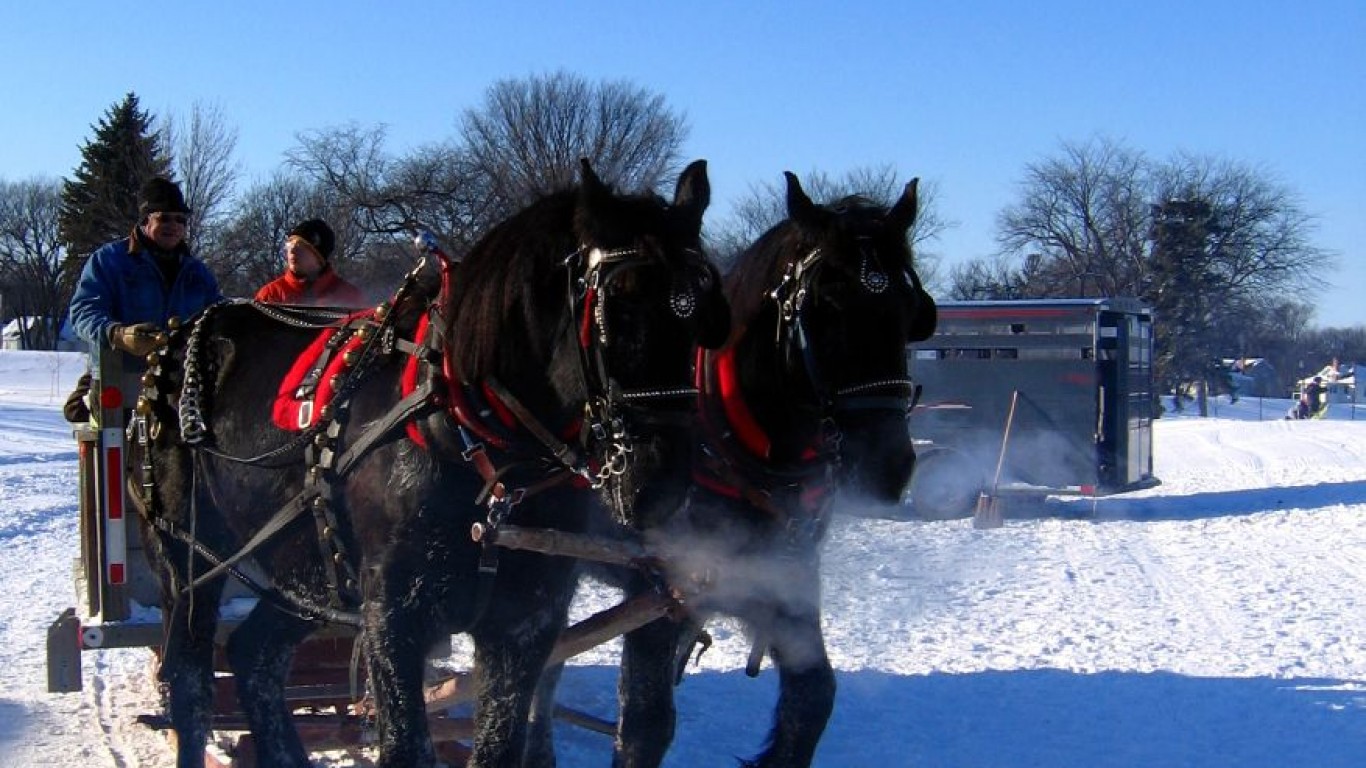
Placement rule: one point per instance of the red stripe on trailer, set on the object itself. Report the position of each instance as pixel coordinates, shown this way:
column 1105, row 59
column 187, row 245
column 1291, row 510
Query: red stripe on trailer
column 113, row 470
column 115, row 532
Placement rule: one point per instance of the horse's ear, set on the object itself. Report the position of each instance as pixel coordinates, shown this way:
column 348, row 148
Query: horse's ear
column 902, row 215
column 799, row 206
column 594, row 204
column 590, row 183
column 693, row 193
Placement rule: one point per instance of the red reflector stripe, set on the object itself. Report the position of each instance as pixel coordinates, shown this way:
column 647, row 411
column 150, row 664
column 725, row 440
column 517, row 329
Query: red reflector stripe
column 113, row 473
column 116, row 573
column 1089, row 490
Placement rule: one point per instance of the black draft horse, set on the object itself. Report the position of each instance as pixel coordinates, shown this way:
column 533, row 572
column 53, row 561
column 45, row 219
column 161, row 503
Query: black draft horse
column 552, row 362
column 808, row 397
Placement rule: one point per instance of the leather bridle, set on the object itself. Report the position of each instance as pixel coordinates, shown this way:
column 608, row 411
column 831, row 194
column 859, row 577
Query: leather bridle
column 792, row 337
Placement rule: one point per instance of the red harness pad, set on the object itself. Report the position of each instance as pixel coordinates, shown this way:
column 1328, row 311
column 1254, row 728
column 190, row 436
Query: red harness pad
column 741, row 419
column 295, row 409
column 747, row 430
column 476, row 407
column 288, row 408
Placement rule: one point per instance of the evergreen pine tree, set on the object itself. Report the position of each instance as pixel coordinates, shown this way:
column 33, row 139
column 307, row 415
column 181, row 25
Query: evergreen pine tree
column 99, row 203
column 1183, row 293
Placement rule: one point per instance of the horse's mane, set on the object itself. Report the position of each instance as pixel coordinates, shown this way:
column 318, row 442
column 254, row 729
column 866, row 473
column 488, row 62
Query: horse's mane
column 497, row 281
column 509, row 293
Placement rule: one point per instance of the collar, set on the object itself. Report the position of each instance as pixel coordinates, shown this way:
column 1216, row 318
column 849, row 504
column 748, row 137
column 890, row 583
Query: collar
column 139, row 243
column 323, row 278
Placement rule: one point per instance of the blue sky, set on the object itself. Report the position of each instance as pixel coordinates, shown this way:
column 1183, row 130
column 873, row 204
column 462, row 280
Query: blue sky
column 962, row 94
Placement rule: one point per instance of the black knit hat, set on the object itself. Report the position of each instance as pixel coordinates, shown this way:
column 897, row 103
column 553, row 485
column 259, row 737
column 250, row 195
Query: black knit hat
column 160, row 195
column 317, row 234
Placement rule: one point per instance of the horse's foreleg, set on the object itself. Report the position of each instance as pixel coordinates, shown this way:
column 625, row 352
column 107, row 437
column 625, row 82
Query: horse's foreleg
column 260, row 652
column 506, row 677
column 806, row 692
column 396, row 646
column 187, row 670
column 510, row 654
column 645, row 695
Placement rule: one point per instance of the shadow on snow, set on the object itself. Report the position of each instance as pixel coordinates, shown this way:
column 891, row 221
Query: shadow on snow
column 1046, row 717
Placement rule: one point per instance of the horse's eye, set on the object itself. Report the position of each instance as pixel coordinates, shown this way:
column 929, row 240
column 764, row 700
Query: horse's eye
column 624, row 283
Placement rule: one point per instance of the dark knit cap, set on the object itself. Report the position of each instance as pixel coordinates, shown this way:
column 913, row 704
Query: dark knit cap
column 160, row 195
column 317, row 234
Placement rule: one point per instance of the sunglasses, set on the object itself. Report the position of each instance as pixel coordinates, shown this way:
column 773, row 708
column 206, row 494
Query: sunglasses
column 171, row 218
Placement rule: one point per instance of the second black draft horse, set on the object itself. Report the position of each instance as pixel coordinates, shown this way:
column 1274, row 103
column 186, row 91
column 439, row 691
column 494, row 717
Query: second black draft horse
column 809, row 397
column 549, row 364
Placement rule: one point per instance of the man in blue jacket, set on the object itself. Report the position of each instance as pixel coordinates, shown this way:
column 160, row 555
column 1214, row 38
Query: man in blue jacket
column 131, row 287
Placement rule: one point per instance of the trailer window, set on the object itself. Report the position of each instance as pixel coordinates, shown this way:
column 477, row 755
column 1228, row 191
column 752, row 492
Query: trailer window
column 1002, row 328
column 1055, row 353
column 1006, row 353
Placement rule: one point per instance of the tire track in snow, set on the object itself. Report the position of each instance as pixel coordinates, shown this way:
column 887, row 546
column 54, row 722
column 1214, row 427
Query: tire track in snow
column 1182, row 601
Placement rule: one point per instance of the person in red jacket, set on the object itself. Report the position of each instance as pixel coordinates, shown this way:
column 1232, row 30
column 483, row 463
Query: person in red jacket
column 309, row 277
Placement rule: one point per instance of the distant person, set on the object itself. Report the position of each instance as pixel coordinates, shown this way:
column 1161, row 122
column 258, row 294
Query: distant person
column 1301, row 409
column 130, row 288
column 309, row 278
column 1315, row 395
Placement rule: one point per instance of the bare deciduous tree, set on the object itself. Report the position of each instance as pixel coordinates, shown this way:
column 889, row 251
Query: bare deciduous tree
column 527, row 138
column 1213, row 244
column 31, row 256
column 1085, row 213
column 434, row 188
column 1260, row 245
column 994, row 278
column 347, row 165
column 202, row 147
column 376, row 203
column 248, row 255
column 766, row 205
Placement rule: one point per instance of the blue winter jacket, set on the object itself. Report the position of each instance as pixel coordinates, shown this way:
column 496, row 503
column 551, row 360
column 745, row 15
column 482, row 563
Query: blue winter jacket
column 121, row 284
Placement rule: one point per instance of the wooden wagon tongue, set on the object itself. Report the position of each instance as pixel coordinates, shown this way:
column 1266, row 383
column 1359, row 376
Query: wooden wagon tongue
column 685, row 587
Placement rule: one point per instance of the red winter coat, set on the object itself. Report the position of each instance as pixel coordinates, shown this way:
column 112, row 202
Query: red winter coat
column 327, row 290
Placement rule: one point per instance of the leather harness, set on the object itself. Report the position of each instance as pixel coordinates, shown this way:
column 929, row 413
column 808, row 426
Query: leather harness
column 437, row 411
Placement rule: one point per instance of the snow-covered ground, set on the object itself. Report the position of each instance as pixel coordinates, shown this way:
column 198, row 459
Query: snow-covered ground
column 1216, row 620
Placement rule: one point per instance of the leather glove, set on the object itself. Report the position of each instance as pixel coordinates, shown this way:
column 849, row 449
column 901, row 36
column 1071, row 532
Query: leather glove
column 137, row 340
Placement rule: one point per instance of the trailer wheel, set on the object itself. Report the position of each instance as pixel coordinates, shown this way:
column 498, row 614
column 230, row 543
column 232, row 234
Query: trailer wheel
column 946, row 485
